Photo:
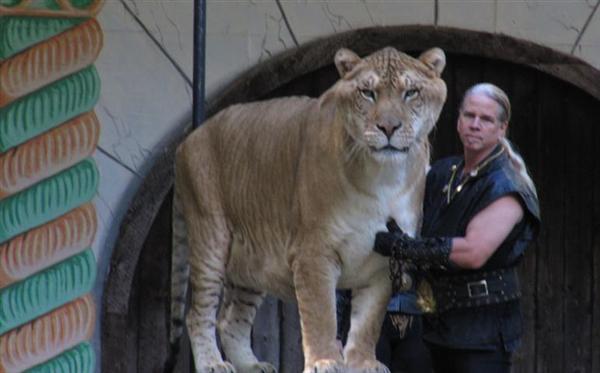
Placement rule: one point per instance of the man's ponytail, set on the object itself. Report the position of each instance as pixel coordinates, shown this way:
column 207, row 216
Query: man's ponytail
column 517, row 162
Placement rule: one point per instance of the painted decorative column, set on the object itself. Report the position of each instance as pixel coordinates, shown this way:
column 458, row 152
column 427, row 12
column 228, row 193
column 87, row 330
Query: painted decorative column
column 48, row 132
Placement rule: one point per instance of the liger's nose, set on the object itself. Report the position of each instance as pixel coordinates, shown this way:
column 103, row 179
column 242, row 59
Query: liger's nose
column 389, row 128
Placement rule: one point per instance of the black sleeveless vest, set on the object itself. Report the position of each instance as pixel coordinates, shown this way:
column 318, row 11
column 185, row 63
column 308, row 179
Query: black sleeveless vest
column 485, row 326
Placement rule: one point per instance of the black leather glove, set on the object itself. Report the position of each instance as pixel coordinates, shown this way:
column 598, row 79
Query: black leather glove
column 384, row 241
column 423, row 252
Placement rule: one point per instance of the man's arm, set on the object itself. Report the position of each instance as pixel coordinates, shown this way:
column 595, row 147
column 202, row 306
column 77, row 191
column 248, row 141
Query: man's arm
column 486, row 232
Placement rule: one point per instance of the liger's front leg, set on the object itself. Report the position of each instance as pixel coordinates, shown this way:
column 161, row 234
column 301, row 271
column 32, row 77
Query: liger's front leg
column 315, row 279
column 368, row 310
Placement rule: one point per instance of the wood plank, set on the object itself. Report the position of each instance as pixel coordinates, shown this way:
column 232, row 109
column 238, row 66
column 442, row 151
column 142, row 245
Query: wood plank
column 595, row 244
column 462, row 73
column 523, row 96
column 578, row 270
column 550, row 258
column 153, row 271
column 115, row 322
column 265, row 333
column 180, row 358
column 500, row 74
column 184, row 360
column 130, row 357
column 443, row 137
column 292, row 358
column 313, row 84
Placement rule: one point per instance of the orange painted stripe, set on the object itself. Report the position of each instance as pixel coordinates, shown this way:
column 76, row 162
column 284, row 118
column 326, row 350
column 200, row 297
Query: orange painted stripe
column 48, row 244
column 47, row 336
column 50, row 60
column 48, row 154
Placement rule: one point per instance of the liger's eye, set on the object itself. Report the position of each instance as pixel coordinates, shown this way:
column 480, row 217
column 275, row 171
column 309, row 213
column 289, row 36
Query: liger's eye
column 411, row 93
column 368, row 94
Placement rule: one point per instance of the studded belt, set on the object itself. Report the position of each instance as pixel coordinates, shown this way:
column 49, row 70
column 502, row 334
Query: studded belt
column 477, row 289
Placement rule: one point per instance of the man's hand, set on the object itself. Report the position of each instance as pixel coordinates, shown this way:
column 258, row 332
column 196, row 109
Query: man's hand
column 385, row 241
column 423, row 252
column 392, row 226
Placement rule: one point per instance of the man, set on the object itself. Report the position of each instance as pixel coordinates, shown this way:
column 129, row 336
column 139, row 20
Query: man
column 480, row 213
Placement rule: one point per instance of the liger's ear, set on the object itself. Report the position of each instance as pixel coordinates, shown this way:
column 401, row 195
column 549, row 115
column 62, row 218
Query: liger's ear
column 345, row 60
column 435, row 58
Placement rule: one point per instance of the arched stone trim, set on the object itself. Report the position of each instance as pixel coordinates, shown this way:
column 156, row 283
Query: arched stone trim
column 271, row 74
column 279, row 70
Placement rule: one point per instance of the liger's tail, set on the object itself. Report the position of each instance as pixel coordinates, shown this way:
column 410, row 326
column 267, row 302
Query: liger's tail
column 180, row 271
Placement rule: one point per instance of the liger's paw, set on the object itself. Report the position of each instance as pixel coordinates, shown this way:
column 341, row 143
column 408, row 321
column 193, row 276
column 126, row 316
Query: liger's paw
column 369, row 366
column 221, row 367
column 326, row 366
column 261, row 367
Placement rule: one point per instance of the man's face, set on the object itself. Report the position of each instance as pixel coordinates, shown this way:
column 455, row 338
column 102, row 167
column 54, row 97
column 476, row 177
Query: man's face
column 478, row 126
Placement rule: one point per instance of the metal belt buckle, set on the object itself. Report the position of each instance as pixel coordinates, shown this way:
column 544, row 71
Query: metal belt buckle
column 478, row 289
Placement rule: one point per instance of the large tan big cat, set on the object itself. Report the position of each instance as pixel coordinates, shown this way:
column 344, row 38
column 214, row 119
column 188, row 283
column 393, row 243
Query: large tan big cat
column 285, row 196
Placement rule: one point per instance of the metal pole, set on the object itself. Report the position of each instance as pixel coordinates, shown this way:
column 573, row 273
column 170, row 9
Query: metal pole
column 199, row 62
column 197, row 119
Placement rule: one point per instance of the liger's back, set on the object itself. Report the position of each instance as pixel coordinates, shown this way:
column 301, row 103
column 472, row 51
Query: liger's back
column 257, row 148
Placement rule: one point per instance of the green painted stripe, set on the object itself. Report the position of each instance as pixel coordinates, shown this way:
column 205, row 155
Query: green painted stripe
column 80, row 359
column 20, row 33
column 48, row 107
column 9, row 2
column 51, row 4
column 48, row 199
column 46, row 290
column 47, row 4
